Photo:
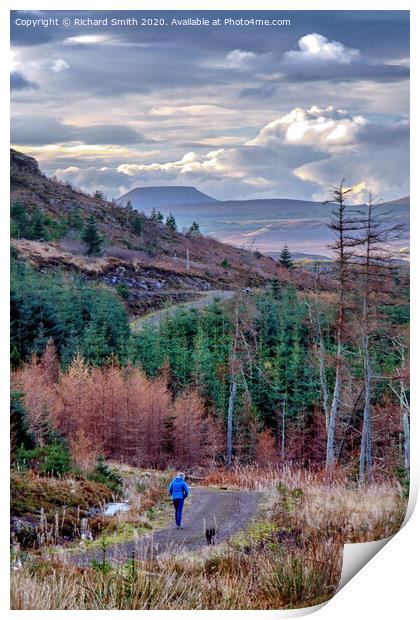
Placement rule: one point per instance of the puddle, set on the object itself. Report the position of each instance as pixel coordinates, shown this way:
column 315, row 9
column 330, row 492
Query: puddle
column 115, row 507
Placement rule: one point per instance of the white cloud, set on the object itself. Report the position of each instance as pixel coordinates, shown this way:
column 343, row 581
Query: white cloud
column 239, row 59
column 297, row 155
column 59, row 65
column 88, row 39
column 322, row 127
column 316, row 47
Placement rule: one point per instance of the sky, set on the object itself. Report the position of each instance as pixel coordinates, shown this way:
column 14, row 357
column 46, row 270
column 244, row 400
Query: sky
column 240, row 112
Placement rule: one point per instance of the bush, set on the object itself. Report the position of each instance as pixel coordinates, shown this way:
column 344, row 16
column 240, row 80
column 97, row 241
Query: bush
column 123, row 291
column 105, row 475
column 53, row 459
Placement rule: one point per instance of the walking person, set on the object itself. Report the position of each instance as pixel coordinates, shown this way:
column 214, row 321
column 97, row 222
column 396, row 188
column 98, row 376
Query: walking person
column 179, row 491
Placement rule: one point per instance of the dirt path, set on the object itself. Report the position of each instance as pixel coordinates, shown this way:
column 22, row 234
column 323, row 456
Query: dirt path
column 228, row 511
column 205, row 299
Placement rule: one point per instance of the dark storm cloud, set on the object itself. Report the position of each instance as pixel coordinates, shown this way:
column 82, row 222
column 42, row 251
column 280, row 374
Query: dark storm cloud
column 35, row 131
column 19, row 82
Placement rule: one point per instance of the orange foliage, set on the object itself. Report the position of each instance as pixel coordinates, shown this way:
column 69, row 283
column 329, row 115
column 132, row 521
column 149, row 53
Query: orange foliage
column 116, row 411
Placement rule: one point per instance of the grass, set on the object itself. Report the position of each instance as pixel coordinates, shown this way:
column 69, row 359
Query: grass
column 289, row 557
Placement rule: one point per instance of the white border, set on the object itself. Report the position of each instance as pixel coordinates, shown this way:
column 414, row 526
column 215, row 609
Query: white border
column 386, row 587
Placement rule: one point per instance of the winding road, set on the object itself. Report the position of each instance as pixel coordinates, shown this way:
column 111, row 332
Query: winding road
column 227, row 511
column 205, row 299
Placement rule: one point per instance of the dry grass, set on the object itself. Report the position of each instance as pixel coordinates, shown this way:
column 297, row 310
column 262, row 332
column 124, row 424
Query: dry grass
column 291, row 557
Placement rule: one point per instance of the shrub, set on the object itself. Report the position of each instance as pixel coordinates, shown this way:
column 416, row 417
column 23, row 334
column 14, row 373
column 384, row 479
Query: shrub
column 51, row 459
column 103, row 474
column 123, row 291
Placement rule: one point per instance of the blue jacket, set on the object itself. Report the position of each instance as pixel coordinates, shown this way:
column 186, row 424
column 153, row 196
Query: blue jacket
column 178, row 489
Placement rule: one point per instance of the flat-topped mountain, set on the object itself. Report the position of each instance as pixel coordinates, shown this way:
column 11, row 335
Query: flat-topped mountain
column 147, row 198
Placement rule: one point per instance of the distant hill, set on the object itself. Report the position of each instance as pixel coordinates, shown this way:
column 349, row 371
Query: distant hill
column 154, row 264
column 145, row 198
column 268, row 224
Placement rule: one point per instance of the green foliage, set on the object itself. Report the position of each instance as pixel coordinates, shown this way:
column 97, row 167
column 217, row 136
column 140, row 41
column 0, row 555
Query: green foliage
column 171, row 222
column 285, row 258
column 36, row 226
column 136, row 224
column 53, row 458
column 225, row 263
column 91, row 238
column 22, row 438
column 104, row 475
column 194, row 230
column 123, row 291
column 38, row 229
column 156, row 216
column 77, row 315
column 99, row 195
column 75, row 220
column 20, row 223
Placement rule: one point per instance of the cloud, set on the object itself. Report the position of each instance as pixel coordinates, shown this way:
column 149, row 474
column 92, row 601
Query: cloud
column 319, row 58
column 19, row 82
column 297, row 155
column 239, row 59
column 59, row 65
column 317, row 48
column 259, row 92
column 324, row 127
column 39, row 130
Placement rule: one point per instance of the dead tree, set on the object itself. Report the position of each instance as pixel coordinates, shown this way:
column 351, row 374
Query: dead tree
column 376, row 237
column 344, row 222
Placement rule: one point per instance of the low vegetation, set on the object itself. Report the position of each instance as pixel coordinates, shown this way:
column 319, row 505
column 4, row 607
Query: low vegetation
column 289, row 557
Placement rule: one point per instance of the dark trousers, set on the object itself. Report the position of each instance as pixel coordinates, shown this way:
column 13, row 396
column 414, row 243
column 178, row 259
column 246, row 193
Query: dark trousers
column 178, row 505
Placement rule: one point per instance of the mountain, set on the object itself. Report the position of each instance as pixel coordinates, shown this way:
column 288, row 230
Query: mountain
column 147, row 198
column 268, row 224
column 153, row 264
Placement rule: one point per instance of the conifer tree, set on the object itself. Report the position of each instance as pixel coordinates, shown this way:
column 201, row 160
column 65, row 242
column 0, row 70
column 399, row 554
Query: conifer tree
column 171, row 222
column 38, row 230
column 194, row 230
column 20, row 220
column 285, row 258
column 92, row 238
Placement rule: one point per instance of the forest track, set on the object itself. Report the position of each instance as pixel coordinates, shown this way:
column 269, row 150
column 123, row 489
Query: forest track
column 228, row 511
column 204, row 299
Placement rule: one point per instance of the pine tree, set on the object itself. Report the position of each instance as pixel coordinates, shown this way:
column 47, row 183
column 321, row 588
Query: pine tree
column 136, row 224
column 171, row 222
column 159, row 216
column 38, row 230
column 285, row 258
column 19, row 220
column 99, row 195
column 194, row 230
column 92, row 238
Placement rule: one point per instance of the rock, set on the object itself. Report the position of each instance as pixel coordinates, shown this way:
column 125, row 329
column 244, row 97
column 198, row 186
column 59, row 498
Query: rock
column 23, row 531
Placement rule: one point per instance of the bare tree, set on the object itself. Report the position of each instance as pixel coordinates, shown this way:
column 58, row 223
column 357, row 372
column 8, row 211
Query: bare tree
column 343, row 223
column 373, row 270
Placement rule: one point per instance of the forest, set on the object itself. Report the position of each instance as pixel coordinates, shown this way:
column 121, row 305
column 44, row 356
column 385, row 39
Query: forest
column 315, row 376
column 292, row 394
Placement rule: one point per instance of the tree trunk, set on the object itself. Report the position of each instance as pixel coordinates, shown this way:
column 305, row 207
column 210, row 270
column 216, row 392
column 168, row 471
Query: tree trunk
column 330, row 457
column 365, row 462
column 232, row 398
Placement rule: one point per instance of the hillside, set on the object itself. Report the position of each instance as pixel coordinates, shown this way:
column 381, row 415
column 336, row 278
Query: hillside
column 153, row 263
